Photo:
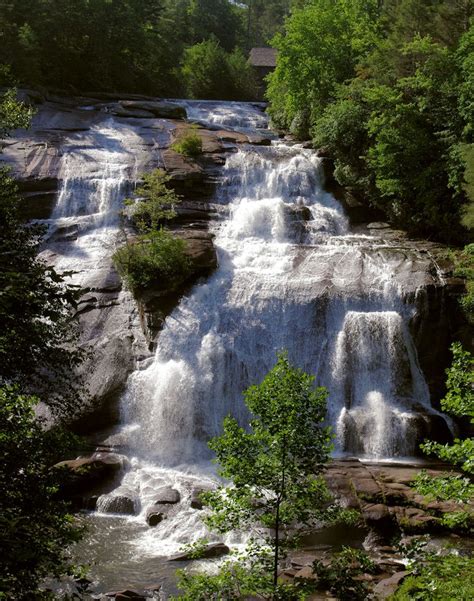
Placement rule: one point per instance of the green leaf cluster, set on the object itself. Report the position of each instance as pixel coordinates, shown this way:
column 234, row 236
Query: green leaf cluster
column 276, row 492
column 37, row 353
column 340, row 576
column 459, row 401
column 386, row 88
column 189, row 144
column 444, row 488
column 156, row 259
column 153, row 202
column 209, row 72
column 35, row 526
column 438, row 579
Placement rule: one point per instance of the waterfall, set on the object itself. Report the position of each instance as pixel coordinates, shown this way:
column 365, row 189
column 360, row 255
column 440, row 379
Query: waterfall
column 291, row 276
column 96, row 168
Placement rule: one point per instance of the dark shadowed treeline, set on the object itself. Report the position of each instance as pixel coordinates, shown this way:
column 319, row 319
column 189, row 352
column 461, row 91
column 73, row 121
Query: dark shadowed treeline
column 387, row 88
column 138, row 46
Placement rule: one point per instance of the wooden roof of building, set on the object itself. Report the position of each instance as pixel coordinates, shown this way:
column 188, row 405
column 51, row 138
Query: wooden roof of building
column 263, row 57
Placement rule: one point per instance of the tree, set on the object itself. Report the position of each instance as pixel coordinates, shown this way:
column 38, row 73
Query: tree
column 459, row 401
column 38, row 337
column 154, row 257
column 322, row 44
column 36, row 330
column 275, row 468
column 35, row 526
column 211, row 73
column 154, row 201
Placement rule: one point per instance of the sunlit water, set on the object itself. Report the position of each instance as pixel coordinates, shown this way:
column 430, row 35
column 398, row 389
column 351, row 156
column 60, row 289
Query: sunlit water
column 291, row 276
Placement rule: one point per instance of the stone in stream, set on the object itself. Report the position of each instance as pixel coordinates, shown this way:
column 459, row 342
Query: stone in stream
column 126, row 594
column 167, row 495
column 387, row 587
column 121, row 504
column 154, row 516
column 211, row 551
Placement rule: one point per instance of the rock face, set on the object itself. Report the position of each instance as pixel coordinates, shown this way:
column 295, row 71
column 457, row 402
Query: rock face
column 87, row 477
column 79, row 148
column 386, row 501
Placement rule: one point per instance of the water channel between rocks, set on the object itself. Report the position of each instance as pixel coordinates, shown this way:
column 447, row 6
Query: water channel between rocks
column 292, row 276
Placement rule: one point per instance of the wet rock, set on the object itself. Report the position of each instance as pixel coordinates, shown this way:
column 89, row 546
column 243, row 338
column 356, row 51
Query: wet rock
column 167, row 495
column 164, row 110
column 377, row 516
column 121, row 504
column 154, row 516
column 367, row 488
column 211, row 551
column 126, row 594
column 132, row 113
column 387, row 587
column 86, row 474
column 306, row 573
column 414, row 520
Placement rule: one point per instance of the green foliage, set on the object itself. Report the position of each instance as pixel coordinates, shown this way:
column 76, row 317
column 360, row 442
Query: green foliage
column 153, row 201
column 340, row 575
column 463, row 261
column 189, row 144
column 209, row 72
column 277, row 490
column 13, row 114
column 37, row 335
column 444, row 488
column 457, row 520
column 37, row 327
column 386, row 88
column 438, row 579
column 113, row 45
column 155, row 259
column 322, row 42
column 35, row 528
column 459, row 401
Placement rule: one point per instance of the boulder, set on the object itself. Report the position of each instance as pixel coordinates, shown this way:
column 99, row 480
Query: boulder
column 121, row 504
column 211, row 551
column 154, row 516
column 126, row 594
column 196, row 502
column 85, row 474
column 387, row 587
column 158, row 108
column 167, row 495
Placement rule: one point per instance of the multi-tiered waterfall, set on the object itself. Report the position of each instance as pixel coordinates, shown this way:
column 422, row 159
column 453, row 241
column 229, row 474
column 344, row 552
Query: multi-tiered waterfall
column 290, row 277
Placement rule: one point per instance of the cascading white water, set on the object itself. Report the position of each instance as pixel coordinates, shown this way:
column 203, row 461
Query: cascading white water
column 290, row 277
column 94, row 174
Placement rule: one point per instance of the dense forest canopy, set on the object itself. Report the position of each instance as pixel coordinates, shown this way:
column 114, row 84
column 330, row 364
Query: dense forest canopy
column 135, row 46
column 387, row 88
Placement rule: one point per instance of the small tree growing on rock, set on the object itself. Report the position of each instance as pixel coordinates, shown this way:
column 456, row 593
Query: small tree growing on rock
column 155, row 255
column 277, row 489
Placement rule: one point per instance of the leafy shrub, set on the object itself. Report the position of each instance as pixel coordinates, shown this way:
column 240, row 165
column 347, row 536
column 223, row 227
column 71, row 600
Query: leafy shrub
column 457, row 520
column 153, row 201
column 339, row 575
column 154, row 259
column 441, row 578
column 444, row 488
column 188, row 144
